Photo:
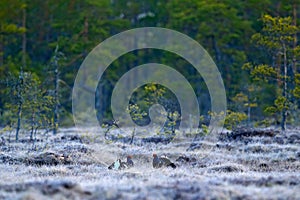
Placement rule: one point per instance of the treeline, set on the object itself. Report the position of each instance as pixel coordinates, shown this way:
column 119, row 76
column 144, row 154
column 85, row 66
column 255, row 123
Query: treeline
column 255, row 45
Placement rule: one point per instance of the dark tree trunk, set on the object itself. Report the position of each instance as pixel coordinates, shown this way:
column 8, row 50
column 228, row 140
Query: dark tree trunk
column 284, row 92
column 55, row 119
column 56, row 90
column 32, row 125
column 132, row 135
column 1, row 50
column 295, row 37
column 24, row 39
column 20, row 84
column 20, row 102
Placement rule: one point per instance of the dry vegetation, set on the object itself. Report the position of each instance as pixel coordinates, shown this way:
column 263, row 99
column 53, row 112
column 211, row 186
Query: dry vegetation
column 73, row 164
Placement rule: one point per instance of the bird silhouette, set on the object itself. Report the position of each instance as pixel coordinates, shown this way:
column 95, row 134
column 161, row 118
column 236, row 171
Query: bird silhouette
column 118, row 164
column 128, row 164
column 129, row 161
column 162, row 161
column 115, row 165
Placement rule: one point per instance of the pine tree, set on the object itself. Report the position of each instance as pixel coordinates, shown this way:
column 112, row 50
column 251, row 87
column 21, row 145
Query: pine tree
column 277, row 38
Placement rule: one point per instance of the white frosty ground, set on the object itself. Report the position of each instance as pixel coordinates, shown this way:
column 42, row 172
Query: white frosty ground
column 247, row 168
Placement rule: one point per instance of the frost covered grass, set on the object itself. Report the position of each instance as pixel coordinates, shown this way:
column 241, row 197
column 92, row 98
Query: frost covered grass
column 73, row 165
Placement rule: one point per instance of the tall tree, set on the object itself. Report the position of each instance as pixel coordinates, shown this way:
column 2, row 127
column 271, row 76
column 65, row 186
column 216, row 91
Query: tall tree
column 277, row 37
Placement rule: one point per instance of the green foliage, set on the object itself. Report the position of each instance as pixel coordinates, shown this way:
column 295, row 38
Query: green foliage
column 277, row 37
column 8, row 117
column 218, row 26
column 265, row 123
column 173, row 117
column 36, row 103
column 153, row 93
column 8, row 11
column 263, row 72
column 135, row 112
column 216, row 115
column 12, row 28
column 296, row 91
column 240, row 98
column 226, row 29
column 279, row 104
column 276, row 30
column 271, row 110
column 233, row 119
column 148, row 95
column 205, row 129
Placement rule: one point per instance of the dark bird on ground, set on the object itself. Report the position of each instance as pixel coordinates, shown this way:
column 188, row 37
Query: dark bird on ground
column 115, row 165
column 128, row 164
column 118, row 164
column 162, row 161
column 129, row 161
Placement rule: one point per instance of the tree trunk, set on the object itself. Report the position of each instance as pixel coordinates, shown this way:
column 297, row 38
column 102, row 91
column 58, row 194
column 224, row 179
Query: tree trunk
column 295, row 37
column 55, row 120
column 249, row 114
column 284, row 92
column 20, row 106
column 20, row 102
column 1, row 50
column 20, row 84
column 216, row 50
column 31, row 133
column 293, row 69
column 24, row 39
column 132, row 135
column 86, row 29
column 56, row 89
column 32, row 125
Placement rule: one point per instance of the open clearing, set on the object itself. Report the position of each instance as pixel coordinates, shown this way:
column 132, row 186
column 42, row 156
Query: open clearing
column 73, row 165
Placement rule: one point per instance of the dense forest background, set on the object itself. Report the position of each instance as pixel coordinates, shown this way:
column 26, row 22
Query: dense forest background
column 255, row 45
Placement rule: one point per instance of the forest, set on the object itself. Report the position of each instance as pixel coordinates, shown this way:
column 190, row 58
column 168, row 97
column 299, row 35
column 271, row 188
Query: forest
column 254, row 44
